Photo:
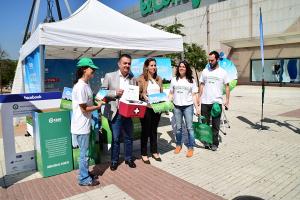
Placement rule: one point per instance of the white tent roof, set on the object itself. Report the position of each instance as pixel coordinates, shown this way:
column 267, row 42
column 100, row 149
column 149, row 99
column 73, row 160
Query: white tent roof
column 96, row 30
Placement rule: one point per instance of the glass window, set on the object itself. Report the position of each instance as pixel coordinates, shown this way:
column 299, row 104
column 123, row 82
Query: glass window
column 285, row 70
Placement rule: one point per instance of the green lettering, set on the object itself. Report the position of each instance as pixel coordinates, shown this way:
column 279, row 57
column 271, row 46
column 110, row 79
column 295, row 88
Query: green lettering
column 156, row 6
column 146, row 7
column 166, row 3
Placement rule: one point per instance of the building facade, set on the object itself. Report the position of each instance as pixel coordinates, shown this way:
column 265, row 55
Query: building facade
column 232, row 26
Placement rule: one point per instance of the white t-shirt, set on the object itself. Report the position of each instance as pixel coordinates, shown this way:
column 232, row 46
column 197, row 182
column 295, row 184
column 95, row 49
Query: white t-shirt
column 81, row 94
column 183, row 91
column 214, row 81
column 153, row 87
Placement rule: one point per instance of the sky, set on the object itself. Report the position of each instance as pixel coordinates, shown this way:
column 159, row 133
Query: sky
column 14, row 15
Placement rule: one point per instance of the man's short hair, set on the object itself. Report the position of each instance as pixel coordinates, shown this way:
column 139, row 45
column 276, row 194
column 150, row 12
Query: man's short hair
column 217, row 55
column 125, row 55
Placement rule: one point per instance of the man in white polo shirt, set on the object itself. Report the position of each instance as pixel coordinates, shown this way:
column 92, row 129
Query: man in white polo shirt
column 213, row 79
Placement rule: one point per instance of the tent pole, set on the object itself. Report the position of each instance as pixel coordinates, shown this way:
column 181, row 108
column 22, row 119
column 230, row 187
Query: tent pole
column 42, row 65
column 35, row 15
column 23, row 75
column 28, row 22
column 58, row 10
column 68, row 7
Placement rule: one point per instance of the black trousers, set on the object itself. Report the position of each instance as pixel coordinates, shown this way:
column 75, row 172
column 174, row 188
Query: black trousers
column 149, row 129
column 205, row 111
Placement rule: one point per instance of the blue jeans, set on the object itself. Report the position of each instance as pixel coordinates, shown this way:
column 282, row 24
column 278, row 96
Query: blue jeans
column 83, row 143
column 120, row 125
column 187, row 113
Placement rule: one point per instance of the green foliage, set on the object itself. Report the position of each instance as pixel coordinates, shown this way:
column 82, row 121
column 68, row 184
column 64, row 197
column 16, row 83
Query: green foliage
column 195, row 55
column 7, row 71
column 174, row 28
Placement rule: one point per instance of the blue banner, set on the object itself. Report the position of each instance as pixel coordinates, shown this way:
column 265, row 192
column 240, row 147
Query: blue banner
column 32, row 72
column 7, row 98
column 261, row 32
column 60, row 73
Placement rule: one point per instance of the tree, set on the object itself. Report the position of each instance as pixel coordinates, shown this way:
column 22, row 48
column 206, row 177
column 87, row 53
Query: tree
column 174, row 28
column 7, row 69
column 196, row 57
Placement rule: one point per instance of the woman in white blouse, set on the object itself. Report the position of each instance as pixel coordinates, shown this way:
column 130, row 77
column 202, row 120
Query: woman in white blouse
column 149, row 83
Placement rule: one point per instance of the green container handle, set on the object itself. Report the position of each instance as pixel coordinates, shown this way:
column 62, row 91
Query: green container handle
column 201, row 118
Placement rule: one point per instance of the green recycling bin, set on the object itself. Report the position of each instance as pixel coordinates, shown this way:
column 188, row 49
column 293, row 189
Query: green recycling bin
column 52, row 141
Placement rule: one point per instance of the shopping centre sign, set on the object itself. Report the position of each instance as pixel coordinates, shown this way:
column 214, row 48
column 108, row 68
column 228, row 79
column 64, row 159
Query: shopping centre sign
column 147, row 6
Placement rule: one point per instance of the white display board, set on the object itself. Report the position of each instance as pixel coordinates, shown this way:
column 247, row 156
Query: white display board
column 20, row 105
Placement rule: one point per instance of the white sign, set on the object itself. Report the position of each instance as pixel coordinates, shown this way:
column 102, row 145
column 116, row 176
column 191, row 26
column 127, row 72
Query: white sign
column 131, row 93
column 20, row 105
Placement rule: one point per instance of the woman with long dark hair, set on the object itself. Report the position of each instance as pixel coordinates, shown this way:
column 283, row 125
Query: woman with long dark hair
column 183, row 93
column 149, row 83
column 82, row 105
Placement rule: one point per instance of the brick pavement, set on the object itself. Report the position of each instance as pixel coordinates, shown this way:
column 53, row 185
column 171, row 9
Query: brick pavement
column 144, row 182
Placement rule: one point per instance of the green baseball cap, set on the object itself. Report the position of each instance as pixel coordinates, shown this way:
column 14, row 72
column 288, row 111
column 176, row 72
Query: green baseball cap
column 216, row 110
column 86, row 62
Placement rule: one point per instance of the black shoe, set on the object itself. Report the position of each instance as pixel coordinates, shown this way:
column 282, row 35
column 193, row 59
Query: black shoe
column 206, row 145
column 130, row 163
column 113, row 166
column 157, row 159
column 146, row 161
column 93, row 182
column 214, row 147
column 93, row 176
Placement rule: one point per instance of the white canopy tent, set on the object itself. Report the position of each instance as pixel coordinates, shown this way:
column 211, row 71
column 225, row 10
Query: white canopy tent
column 96, row 31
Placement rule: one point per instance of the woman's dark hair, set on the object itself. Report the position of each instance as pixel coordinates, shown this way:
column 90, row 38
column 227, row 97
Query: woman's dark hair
column 188, row 74
column 146, row 69
column 79, row 73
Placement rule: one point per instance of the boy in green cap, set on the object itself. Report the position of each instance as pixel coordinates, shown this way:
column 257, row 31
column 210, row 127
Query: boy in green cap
column 212, row 82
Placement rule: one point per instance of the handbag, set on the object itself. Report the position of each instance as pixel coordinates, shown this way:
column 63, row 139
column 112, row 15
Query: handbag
column 202, row 131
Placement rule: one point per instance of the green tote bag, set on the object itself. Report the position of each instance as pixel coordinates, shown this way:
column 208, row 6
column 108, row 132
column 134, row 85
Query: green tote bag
column 202, row 132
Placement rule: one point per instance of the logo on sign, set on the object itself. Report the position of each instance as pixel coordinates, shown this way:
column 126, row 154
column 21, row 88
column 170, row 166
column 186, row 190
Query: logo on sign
column 136, row 111
column 54, row 120
column 15, row 106
column 32, row 97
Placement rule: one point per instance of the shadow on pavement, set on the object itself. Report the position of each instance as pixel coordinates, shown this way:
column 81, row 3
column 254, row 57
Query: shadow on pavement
column 283, row 124
column 99, row 169
column 271, row 121
column 164, row 121
column 247, row 197
column 9, row 180
column 251, row 124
